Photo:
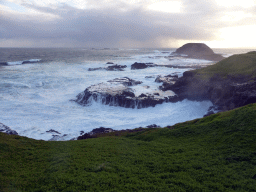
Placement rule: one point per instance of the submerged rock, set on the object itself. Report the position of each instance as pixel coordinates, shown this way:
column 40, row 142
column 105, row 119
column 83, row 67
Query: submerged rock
column 118, row 92
column 109, row 68
column 7, row 130
column 197, row 51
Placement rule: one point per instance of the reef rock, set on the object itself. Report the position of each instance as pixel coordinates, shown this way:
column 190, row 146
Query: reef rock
column 197, row 51
column 7, row 130
column 142, row 65
column 109, row 68
column 118, row 92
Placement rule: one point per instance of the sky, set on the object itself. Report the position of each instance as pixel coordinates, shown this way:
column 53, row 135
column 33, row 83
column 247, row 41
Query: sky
column 127, row 23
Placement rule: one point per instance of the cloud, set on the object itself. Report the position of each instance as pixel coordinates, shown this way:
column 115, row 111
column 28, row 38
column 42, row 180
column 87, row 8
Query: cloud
column 109, row 23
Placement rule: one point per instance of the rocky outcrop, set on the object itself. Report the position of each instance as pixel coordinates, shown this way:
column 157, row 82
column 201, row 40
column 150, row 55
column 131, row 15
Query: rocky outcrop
column 197, row 51
column 7, row 130
column 3, row 63
column 141, row 65
column 119, row 92
column 166, row 80
column 109, row 68
column 225, row 93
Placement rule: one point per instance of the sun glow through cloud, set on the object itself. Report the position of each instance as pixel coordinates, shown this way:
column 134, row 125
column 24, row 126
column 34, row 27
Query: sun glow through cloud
column 235, row 37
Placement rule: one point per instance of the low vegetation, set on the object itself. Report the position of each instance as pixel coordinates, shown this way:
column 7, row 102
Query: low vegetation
column 215, row 153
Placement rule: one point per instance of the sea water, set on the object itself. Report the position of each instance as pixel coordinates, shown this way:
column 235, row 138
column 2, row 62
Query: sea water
column 36, row 97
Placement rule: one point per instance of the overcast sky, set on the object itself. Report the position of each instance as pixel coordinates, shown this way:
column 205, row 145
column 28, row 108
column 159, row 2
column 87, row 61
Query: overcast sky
column 127, row 23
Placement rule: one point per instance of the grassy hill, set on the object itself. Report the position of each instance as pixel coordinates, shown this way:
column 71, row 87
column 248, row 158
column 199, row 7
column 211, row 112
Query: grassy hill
column 236, row 65
column 215, row 153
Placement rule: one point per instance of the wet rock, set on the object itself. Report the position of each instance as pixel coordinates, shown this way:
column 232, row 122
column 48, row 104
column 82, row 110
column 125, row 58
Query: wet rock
column 166, row 79
column 95, row 69
column 116, row 68
column 118, row 92
column 126, row 81
column 109, row 68
column 7, row 130
column 153, row 126
column 150, row 76
column 101, row 130
column 53, row 131
column 85, row 136
column 225, row 93
column 95, row 132
column 3, row 63
column 109, row 63
column 142, row 65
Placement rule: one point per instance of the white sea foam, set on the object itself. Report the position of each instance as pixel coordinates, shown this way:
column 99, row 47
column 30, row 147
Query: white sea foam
column 36, row 98
column 15, row 63
column 21, row 62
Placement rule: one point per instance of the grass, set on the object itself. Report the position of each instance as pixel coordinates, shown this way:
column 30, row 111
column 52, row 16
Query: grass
column 236, row 65
column 215, row 153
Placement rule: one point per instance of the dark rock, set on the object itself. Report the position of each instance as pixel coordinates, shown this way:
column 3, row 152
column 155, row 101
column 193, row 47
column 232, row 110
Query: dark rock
column 117, row 92
column 109, row 68
column 150, row 77
column 95, row 132
column 3, row 63
column 141, row 65
column 198, row 51
column 126, row 81
column 225, row 93
column 95, row 69
column 142, row 95
column 116, row 68
column 101, row 130
column 109, row 63
column 53, row 131
column 30, row 62
column 167, row 79
column 85, row 136
column 7, row 130
column 153, row 126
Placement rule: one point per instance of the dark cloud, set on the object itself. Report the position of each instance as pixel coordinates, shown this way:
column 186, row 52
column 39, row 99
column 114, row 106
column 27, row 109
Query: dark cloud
column 121, row 25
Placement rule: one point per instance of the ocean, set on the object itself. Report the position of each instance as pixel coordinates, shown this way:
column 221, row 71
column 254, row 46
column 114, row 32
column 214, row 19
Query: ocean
column 36, row 96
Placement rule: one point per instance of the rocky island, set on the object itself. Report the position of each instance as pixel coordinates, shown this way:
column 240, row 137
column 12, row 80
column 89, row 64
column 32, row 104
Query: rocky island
column 121, row 92
column 197, row 51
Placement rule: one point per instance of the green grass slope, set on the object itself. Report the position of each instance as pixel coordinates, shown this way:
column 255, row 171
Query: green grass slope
column 215, row 153
column 236, row 65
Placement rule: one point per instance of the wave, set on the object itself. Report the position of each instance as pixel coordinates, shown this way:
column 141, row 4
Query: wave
column 23, row 62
